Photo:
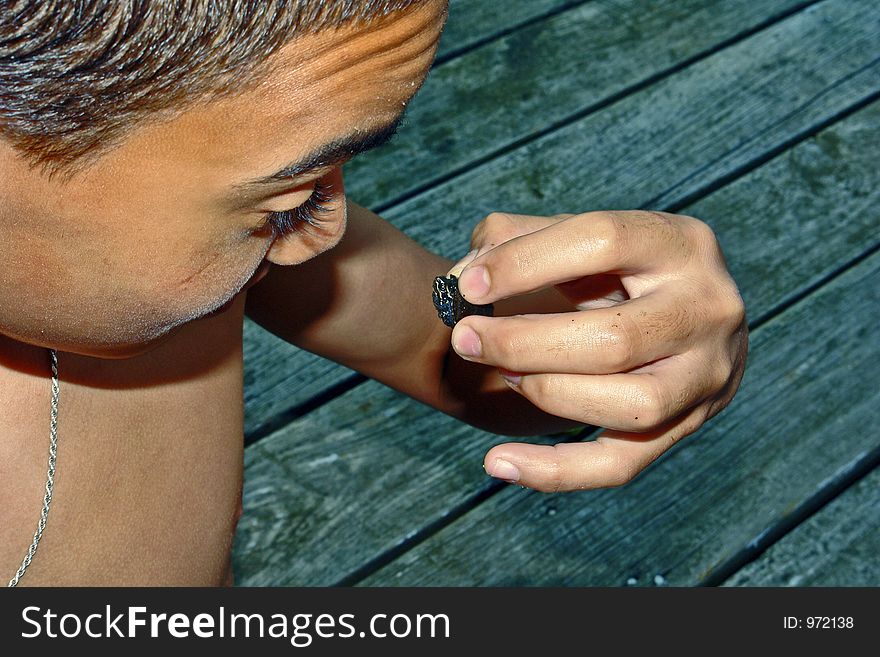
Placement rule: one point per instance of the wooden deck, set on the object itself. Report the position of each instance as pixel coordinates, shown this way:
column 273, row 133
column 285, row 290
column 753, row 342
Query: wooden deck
column 762, row 119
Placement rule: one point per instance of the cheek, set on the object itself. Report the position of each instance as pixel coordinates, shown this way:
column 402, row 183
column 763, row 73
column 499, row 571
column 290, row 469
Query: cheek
column 167, row 263
column 109, row 262
column 101, row 288
column 37, row 272
column 41, row 264
column 183, row 278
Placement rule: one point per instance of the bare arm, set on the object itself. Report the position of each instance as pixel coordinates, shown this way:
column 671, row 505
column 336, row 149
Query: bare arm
column 367, row 304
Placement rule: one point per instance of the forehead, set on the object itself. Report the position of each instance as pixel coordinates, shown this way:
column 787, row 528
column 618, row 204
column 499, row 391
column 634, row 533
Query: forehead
column 316, row 89
column 352, row 72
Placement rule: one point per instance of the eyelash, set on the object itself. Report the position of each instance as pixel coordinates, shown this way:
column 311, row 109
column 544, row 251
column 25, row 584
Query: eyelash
column 288, row 222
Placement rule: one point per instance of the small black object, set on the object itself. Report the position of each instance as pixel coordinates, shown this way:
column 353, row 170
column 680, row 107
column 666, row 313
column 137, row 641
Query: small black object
column 451, row 306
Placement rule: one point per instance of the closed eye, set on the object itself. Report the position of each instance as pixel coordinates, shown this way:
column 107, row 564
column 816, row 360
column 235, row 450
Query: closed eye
column 310, row 213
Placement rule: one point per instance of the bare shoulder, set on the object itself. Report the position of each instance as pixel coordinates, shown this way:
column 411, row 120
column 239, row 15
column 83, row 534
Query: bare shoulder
column 146, row 446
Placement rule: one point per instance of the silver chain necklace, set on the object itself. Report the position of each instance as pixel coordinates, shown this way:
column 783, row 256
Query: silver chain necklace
column 50, row 480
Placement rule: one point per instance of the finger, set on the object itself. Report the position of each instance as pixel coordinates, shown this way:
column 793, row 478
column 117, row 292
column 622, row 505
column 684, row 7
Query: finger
column 461, row 264
column 580, row 245
column 598, row 291
column 598, row 341
column 499, row 227
column 637, row 401
column 615, row 458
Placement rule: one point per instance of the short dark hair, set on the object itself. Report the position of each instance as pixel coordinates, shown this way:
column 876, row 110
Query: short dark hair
column 76, row 75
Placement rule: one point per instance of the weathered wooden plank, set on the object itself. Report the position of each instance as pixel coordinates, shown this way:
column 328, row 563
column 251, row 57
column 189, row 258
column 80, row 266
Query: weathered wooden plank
column 279, row 376
column 838, row 546
column 679, row 134
column 271, row 388
column 809, row 391
column 472, row 22
column 789, row 223
column 352, row 458
column 538, row 76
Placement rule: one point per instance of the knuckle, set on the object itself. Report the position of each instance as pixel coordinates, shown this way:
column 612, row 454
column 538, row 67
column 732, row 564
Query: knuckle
column 653, row 408
column 732, row 308
column 704, row 246
column 496, row 219
column 722, row 367
column 495, row 228
column 622, row 470
column 720, row 375
column 544, row 387
column 607, row 233
column 723, row 307
column 622, row 339
column 554, row 477
column 701, row 231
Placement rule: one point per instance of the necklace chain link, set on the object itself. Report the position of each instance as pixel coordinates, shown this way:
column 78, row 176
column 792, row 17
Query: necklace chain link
column 50, row 479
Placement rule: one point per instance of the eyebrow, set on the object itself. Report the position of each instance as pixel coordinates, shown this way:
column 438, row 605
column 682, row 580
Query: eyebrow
column 331, row 153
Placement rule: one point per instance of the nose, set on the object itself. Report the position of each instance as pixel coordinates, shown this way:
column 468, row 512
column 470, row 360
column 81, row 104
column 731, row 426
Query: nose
column 309, row 241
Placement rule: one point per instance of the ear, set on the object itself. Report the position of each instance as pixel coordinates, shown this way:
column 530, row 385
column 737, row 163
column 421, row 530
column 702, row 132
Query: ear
column 310, row 240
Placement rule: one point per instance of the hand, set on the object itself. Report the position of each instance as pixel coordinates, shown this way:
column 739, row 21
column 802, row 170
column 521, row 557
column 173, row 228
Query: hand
column 656, row 344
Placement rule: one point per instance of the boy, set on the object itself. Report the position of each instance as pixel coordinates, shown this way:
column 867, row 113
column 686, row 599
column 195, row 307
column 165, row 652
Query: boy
column 167, row 167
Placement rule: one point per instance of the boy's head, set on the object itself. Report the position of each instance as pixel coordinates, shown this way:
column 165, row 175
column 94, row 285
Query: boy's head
column 143, row 146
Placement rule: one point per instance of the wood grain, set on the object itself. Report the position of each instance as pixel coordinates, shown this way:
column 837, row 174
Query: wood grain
column 516, row 87
column 666, row 141
column 808, row 392
column 379, row 465
column 472, row 22
column 838, row 546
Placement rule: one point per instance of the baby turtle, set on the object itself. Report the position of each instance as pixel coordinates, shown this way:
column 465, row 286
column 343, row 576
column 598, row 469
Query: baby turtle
column 451, row 306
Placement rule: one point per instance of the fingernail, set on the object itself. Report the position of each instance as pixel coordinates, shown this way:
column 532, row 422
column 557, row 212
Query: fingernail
column 459, row 266
column 511, row 377
column 474, row 283
column 505, row 470
column 467, row 342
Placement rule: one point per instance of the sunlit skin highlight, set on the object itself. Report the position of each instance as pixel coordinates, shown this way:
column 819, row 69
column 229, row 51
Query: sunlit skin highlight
column 120, row 269
column 161, row 231
column 139, row 254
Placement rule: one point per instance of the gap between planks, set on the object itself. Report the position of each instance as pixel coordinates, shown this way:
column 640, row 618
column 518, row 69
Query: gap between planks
column 354, row 380
column 809, row 507
column 748, row 554
column 589, row 109
column 454, row 53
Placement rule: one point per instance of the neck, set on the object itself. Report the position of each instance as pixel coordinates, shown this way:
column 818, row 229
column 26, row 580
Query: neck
column 23, row 357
